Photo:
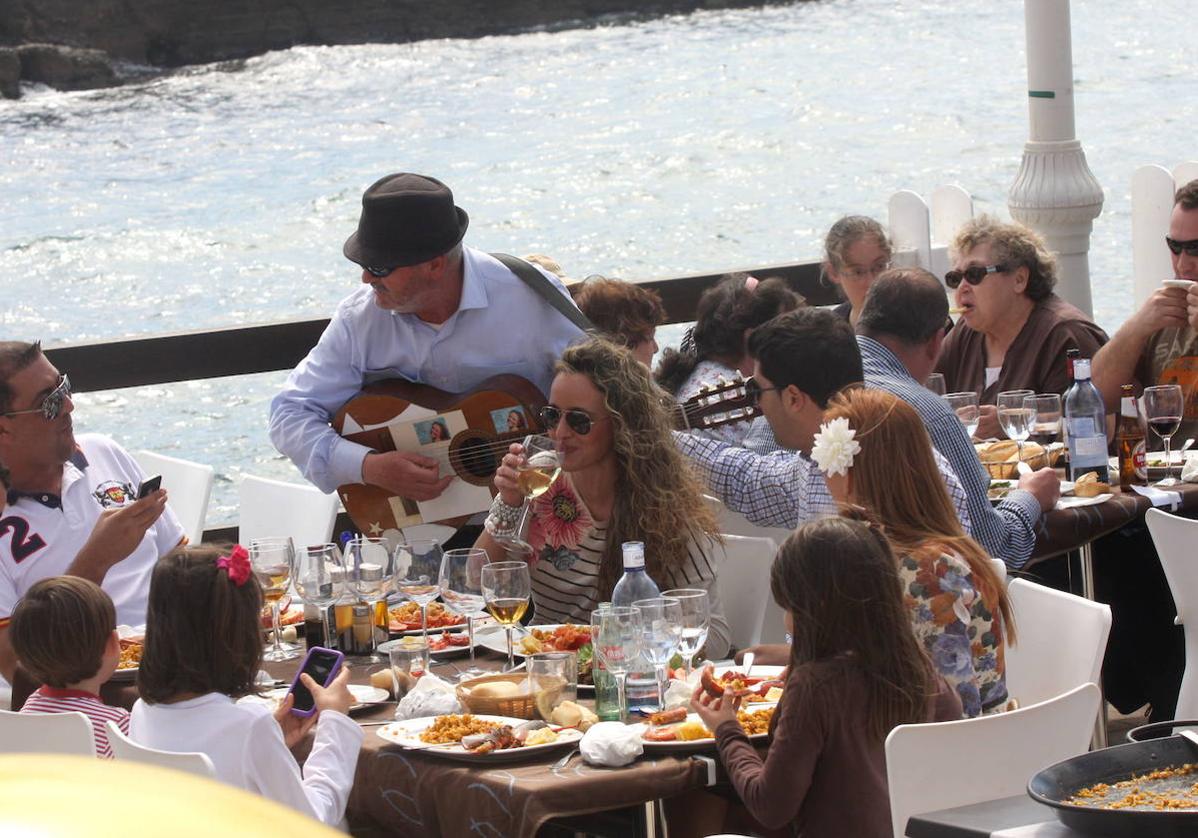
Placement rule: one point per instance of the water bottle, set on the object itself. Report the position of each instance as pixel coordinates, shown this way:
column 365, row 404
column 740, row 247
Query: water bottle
column 1085, row 426
column 607, row 694
column 641, row 683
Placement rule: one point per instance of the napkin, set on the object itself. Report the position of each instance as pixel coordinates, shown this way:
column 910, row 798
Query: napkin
column 430, row 697
column 1159, row 497
column 1189, row 468
column 612, row 744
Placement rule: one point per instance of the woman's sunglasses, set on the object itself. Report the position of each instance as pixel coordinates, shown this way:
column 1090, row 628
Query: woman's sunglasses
column 973, row 275
column 1176, row 247
column 578, row 420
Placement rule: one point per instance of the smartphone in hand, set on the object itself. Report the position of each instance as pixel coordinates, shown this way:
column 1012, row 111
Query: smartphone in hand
column 323, row 665
column 148, row 486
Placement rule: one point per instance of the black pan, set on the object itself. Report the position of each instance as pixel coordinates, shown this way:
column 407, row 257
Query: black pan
column 1059, row 782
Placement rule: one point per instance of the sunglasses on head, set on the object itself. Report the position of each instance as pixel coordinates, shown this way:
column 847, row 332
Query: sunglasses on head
column 377, row 273
column 1177, row 247
column 577, row 419
column 973, row 274
column 754, row 391
column 51, row 406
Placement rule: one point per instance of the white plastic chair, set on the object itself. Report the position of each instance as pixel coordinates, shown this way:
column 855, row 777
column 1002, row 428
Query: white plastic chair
column 733, row 523
column 1060, row 645
column 271, row 508
column 922, row 760
column 46, row 733
column 1000, row 567
column 1175, row 538
column 189, row 486
column 125, row 748
column 744, row 584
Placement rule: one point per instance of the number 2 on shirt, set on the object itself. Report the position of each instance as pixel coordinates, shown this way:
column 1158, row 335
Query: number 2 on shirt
column 23, row 544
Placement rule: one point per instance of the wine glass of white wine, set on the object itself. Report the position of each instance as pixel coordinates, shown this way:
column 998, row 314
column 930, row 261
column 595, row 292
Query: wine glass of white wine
column 506, row 591
column 271, row 560
column 965, row 405
column 535, row 474
column 1014, row 416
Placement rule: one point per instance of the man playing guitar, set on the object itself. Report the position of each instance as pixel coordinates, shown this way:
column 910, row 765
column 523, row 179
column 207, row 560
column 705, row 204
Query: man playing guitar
column 430, row 311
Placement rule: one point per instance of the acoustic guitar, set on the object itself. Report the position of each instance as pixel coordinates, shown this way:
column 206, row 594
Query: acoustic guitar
column 468, row 434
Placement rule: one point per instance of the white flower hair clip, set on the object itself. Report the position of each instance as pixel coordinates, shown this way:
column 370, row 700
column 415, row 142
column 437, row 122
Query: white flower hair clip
column 835, row 447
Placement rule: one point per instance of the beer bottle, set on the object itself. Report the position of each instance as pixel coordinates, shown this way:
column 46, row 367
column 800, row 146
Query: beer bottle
column 1129, row 439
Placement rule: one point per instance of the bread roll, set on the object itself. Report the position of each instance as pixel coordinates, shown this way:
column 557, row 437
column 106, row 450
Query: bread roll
column 495, row 689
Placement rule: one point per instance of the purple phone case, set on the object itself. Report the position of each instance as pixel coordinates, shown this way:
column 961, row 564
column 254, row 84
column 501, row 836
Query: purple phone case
column 332, row 674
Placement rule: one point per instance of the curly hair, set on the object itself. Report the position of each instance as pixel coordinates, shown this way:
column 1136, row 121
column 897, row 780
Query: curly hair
column 846, row 232
column 727, row 312
column 659, row 498
column 624, row 311
column 1013, row 246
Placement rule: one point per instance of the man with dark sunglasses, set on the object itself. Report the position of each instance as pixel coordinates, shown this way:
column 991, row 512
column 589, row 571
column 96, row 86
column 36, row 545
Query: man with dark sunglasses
column 1159, row 343
column 70, row 506
column 430, row 311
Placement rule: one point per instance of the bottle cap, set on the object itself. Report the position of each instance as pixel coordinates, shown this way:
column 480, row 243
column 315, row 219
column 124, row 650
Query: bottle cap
column 1081, row 369
column 634, row 554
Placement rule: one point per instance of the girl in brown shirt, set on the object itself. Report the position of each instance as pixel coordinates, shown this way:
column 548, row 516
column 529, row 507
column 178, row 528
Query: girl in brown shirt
column 856, row 672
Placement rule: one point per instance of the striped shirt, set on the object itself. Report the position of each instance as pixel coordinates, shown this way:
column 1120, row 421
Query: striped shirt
column 49, row 699
column 569, row 546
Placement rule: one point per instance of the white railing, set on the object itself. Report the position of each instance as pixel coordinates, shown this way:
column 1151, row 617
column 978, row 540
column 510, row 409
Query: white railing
column 921, row 230
column 1152, row 189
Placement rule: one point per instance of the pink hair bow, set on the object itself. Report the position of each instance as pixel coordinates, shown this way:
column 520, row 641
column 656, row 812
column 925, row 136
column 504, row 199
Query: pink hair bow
column 750, row 284
column 237, row 565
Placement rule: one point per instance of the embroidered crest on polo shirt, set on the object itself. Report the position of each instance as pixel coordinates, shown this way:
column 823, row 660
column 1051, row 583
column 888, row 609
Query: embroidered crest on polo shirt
column 112, row 494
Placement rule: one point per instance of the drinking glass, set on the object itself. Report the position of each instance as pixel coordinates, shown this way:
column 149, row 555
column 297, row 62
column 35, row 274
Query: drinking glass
column 506, row 590
column 535, row 474
column 461, row 582
column 408, row 656
column 1164, row 406
column 319, row 578
column 417, row 567
column 696, row 620
column 370, row 568
column 965, row 405
column 935, row 383
column 271, row 560
column 552, row 679
column 1044, row 412
column 1014, row 417
column 616, row 643
column 661, row 635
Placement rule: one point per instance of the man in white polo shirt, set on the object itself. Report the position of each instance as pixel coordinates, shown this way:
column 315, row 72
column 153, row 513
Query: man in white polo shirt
column 70, row 502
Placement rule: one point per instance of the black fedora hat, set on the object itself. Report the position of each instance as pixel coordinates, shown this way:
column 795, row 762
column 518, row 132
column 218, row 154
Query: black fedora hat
column 406, row 219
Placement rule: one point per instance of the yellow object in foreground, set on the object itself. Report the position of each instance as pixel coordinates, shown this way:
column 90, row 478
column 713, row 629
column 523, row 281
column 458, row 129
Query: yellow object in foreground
column 52, row 796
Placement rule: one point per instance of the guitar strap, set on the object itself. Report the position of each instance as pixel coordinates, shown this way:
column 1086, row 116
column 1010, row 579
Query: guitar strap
column 535, row 280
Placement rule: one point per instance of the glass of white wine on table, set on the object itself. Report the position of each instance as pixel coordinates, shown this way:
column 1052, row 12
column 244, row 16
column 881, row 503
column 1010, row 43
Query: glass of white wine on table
column 417, row 574
column 538, row 468
column 965, row 405
column 1164, row 406
column 272, row 560
column 506, row 591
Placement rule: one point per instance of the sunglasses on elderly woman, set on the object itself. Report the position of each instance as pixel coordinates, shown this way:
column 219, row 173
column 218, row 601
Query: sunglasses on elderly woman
column 578, row 419
column 51, row 406
column 973, row 274
column 1190, row 247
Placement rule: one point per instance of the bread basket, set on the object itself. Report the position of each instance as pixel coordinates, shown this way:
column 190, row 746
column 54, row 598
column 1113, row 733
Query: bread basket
column 1001, row 459
column 519, row 705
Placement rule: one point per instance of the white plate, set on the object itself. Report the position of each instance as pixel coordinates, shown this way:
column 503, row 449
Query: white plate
column 406, row 734
column 363, row 694
column 447, row 652
column 495, row 639
column 696, row 744
column 1074, row 502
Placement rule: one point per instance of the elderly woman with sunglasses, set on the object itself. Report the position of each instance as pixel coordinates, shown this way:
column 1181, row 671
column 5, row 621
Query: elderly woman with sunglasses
column 1014, row 331
column 622, row 479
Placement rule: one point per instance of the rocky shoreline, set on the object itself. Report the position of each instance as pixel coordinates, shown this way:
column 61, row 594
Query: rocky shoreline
column 80, row 44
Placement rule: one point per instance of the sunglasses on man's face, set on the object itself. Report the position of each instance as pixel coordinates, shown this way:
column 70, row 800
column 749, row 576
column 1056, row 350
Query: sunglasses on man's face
column 1190, row 248
column 973, row 274
column 577, row 419
column 377, row 273
column 51, row 406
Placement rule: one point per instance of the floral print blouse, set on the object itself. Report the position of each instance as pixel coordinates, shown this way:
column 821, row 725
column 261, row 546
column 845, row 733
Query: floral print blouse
column 961, row 631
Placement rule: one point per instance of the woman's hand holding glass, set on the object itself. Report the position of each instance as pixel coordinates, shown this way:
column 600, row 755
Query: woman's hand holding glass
column 526, row 472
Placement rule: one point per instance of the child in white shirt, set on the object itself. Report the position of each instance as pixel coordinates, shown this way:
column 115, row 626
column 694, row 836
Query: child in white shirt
column 203, row 650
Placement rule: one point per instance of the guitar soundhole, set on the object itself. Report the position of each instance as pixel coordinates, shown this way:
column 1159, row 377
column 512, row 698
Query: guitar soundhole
column 476, row 456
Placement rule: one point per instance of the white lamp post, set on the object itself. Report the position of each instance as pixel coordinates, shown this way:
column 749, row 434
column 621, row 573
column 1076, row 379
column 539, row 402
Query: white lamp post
column 1055, row 192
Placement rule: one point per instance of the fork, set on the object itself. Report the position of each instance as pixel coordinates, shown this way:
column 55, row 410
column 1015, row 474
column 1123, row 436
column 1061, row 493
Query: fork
column 564, row 761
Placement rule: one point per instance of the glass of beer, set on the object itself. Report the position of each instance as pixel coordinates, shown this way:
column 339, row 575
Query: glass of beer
column 506, row 591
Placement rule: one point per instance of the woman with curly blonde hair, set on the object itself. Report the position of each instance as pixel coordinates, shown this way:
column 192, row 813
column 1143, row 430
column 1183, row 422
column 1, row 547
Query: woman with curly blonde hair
column 958, row 604
column 1014, row 330
column 622, row 479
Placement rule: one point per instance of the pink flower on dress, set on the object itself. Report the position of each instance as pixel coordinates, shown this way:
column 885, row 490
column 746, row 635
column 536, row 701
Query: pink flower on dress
column 559, row 518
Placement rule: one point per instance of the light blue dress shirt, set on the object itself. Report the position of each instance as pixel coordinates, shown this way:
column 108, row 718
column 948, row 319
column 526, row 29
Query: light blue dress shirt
column 501, row 327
